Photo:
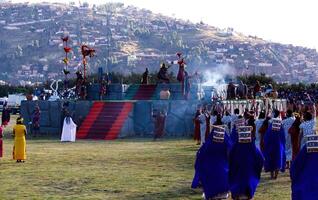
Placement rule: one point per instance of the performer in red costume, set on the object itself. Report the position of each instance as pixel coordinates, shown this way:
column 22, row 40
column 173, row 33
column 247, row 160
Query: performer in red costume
column 181, row 72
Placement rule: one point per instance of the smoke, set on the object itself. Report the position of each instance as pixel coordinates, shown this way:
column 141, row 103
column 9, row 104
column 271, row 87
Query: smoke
column 216, row 77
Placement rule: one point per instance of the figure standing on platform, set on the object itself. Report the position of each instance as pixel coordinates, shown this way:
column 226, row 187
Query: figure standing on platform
column 145, row 77
column 231, row 94
column 19, row 148
column 181, row 72
column 163, row 74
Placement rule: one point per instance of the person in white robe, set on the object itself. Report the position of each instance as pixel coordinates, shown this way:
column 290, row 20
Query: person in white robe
column 202, row 120
column 69, row 130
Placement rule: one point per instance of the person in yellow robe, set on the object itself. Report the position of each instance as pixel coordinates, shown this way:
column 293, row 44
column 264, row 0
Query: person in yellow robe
column 19, row 148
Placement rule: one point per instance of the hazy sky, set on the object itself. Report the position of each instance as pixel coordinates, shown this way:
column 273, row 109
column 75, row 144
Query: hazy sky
column 286, row 21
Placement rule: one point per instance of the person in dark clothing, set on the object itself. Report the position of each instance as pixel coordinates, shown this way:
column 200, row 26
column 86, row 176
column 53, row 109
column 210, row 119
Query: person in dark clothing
column 145, row 77
column 159, row 125
column 36, row 121
column 5, row 115
column 163, row 74
column 231, row 94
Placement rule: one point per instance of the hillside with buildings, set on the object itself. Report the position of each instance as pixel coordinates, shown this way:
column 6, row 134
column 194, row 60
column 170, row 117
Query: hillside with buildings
column 128, row 40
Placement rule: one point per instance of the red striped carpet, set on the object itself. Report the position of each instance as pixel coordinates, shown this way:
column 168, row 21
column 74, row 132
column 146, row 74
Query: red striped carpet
column 105, row 120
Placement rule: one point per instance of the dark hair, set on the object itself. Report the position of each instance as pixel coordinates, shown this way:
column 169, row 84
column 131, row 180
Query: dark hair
column 197, row 113
column 236, row 111
column 266, row 121
column 289, row 113
column 227, row 113
column 19, row 120
column 262, row 115
column 215, row 113
column 307, row 116
column 218, row 120
column 276, row 113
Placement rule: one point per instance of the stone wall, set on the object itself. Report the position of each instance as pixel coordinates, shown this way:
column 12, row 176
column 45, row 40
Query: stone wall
column 140, row 121
column 51, row 113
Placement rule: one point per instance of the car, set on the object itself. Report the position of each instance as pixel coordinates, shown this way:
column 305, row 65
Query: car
column 2, row 102
column 14, row 102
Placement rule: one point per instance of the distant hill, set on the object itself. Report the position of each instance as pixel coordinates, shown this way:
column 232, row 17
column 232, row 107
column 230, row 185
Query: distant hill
column 130, row 39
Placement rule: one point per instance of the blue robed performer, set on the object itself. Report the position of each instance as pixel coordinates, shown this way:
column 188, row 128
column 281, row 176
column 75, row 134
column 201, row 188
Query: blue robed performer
column 212, row 166
column 274, row 147
column 240, row 121
column 246, row 163
column 303, row 172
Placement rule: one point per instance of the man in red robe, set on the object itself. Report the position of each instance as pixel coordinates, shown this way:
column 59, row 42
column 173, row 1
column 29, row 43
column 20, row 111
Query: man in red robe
column 160, row 119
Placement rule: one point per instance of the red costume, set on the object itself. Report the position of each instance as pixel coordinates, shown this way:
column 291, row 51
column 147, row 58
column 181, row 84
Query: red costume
column 197, row 127
column 159, row 125
column 294, row 132
column 1, row 142
column 181, row 72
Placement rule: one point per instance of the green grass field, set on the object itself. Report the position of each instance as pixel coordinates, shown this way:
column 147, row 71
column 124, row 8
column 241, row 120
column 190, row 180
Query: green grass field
column 121, row 169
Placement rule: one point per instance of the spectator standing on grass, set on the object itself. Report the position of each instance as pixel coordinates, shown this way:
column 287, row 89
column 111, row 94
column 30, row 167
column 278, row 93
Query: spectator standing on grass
column 308, row 126
column 258, row 124
column 1, row 141
column 19, row 148
column 5, row 115
column 36, row 121
column 294, row 132
column 287, row 123
column 197, row 125
column 69, row 129
column 160, row 119
column 202, row 119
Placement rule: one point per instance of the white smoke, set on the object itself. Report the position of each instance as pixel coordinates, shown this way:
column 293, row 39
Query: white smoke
column 216, row 76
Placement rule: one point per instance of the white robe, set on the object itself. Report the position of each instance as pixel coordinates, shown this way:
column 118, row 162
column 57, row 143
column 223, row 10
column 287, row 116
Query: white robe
column 202, row 120
column 69, row 131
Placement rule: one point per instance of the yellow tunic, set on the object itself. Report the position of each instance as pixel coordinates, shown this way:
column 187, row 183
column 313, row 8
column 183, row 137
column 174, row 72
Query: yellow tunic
column 19, row 152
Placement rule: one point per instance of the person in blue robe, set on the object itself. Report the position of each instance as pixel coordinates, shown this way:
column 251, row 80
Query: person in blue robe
column 246, row 164
column 237, row 123
column 274, row 147
column 212, row 165
column 303, row 171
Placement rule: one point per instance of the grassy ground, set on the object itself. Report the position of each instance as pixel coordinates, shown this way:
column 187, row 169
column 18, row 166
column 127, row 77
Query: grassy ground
column 122, row 169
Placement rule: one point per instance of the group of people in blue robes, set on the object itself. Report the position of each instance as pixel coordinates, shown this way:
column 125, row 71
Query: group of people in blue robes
column 232, row 162
column 229, row 162
column 224, row 165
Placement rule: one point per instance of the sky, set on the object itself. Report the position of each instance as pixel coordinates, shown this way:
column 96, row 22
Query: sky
column 285, row 21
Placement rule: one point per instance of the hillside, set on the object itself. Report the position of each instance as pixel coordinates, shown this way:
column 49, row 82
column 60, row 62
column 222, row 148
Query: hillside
column 133, row 39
